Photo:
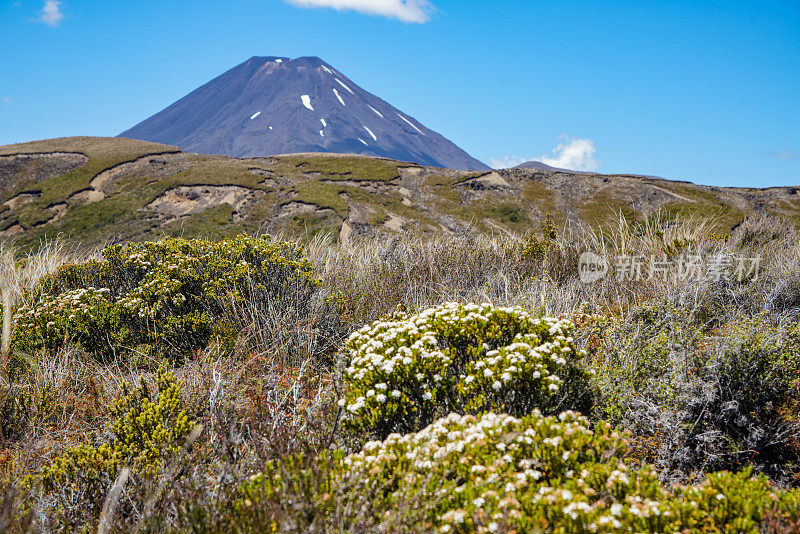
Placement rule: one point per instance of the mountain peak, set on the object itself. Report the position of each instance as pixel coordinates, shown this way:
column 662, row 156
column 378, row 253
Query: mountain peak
column 539, row 166
column 272, row 105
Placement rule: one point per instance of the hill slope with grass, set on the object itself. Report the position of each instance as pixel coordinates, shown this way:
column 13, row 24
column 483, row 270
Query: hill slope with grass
column 111, row 189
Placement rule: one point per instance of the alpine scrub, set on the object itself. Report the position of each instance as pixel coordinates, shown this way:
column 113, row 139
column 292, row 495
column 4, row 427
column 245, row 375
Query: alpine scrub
column 681, row 416
column 149, row 429
column 407, row 371
column 499, row 473
column 168, row 297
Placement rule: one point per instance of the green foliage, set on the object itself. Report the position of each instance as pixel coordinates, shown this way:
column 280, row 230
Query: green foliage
column 508, row 213
column 149, row 429
column 149, row 426
column 407, row 371
column 168, row 297
column 335, row 167
column 498, row 473
column 297, row 491
column 535, row 247
column 701, row 397
column 732, row 502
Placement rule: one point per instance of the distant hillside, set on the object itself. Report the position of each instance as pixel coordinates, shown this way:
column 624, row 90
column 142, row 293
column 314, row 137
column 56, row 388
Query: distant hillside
column 272, row 105
column 110, row 189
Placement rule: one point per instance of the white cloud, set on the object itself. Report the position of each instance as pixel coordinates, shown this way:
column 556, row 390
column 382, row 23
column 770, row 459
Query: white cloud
column 51, row 13
column 572, row 153
column 406, row 10
column 506, row 162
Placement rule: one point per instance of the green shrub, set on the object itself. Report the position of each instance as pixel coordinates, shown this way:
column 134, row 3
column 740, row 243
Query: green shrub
column 704, row 399
column 84, row 316
column 732, row 502
column 407, row 371
column 498, row 473
column 149, row 429
column 170, row 297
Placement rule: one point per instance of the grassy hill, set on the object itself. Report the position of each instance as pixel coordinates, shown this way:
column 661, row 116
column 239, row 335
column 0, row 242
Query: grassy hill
column 111, row 189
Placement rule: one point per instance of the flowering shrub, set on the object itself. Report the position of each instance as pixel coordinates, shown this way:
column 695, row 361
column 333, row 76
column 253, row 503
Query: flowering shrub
column 498, row 473
column 407, row 371
column 530, row 473
column 169, row 296
column 734, row 502
column 82, row 315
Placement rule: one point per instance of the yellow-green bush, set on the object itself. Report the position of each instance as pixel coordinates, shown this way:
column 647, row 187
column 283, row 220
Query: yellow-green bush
column 407, row 371
column 498, row 473
column 168, row 297
column 149, row 429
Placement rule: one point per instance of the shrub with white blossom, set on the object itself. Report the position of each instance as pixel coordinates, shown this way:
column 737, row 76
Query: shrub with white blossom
column 409, row 370
column 526, row 474
column 498, row 473
column 169, row 297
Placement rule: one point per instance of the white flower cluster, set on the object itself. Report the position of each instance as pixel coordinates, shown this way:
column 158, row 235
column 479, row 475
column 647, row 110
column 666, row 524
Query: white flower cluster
column 487, row 466
column 140, row 260
column 497, row 459
column 403, row 353
column 528, row 359
column 147, row 299
column 599, row 516
column 58, row 311
column 469, row 349
column 162, row 285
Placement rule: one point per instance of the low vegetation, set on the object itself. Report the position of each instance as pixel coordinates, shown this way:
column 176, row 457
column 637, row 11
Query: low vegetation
column 412, row 383
column 96, row 191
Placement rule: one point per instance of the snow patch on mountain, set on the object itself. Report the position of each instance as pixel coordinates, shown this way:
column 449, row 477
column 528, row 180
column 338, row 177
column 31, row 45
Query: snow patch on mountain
column 410, row 124
column 338, row 96
column 343, row 85
column 307, row 102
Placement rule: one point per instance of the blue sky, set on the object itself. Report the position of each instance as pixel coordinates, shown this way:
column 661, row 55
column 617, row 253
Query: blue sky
column 703, row 91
